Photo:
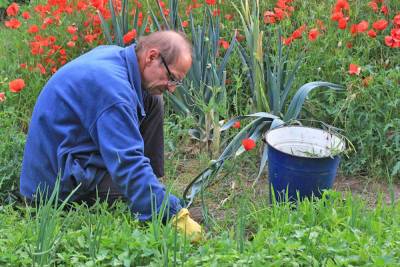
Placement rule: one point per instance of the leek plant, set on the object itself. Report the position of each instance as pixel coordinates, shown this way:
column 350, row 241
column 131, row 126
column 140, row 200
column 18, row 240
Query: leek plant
column 252, row 55
column 272, row 84
column 120, row 24
column 173, row 22
column 203, row 94
column 120, row 21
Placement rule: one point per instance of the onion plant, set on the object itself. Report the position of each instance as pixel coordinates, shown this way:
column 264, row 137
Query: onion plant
column 48, row 226
column 96, row 225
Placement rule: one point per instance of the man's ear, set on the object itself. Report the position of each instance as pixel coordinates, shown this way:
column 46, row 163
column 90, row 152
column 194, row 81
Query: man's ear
column 152, row 54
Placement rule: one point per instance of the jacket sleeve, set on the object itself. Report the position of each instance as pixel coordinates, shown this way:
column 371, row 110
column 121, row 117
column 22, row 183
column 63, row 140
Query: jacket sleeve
column 116, row 132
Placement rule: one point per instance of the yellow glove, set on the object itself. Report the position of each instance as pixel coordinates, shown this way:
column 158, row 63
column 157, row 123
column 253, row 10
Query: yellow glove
column 187, row 225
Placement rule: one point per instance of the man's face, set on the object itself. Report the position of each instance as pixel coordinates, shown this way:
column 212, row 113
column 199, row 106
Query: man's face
column 158, row 76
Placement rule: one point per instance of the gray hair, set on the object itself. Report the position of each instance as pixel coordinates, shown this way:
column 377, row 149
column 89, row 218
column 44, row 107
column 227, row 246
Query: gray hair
column 169, row 43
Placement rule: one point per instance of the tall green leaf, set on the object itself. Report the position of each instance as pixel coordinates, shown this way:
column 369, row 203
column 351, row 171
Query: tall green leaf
column 298, row 99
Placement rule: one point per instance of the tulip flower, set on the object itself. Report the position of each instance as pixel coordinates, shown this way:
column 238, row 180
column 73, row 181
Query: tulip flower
column 248, row 144
column 16, row 85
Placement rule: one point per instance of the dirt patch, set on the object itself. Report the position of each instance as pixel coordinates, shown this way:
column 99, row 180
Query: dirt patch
column 368, row 189
column 220, row 196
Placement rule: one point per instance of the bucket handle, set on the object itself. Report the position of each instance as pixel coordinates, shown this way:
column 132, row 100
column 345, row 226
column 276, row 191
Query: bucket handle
column 278, row 123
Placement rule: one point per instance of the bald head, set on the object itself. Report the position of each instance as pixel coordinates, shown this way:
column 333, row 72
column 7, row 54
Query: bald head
column 164, row 59
column 171, row 44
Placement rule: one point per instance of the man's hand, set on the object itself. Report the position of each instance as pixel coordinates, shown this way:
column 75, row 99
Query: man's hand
column 187, row 225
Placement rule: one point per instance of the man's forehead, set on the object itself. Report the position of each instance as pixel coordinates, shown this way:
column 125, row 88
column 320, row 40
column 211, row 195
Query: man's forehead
column 181, row 67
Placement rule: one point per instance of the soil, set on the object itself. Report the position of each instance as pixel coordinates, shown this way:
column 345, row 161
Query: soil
column 224, row 191
column 357, row 186
column 368, row 189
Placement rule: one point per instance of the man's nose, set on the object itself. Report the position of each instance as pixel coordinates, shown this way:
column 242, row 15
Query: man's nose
column 171, row 88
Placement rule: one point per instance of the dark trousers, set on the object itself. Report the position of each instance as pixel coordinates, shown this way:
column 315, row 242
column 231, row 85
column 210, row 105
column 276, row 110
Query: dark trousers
column 152, row 132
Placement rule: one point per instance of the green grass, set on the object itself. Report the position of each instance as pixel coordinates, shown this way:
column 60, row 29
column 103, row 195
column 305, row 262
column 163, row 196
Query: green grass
column 335, row 231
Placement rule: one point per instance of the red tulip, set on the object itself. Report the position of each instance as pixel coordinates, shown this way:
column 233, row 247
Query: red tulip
column 12, row 10
column 71, row 44
column 342, row 23
column 13, row 23
column 336, row 16
column 384, row 10
column 313, row 34
column 380, row 25
column 248, row 144
column 41, row 68
column 223, row 43
column 372, row 33
column 287, row 41
column 395, row 33
column 216, row 12
column 342, row 4
column 72, row 29
column 389, row 41
column 25, row 15
column 33, row 29
column 298, row 32
column 269, row 17
column 362, row 26
column 396, row 20
column 16, row 85
column 373, row 5
column 129, row 36
column 354, row 69
column 236, row 125
column 229, row 17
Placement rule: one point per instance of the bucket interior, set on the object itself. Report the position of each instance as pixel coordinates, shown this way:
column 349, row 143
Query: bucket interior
column 305, row 142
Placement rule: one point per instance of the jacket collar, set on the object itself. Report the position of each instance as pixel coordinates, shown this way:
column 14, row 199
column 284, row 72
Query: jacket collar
column 134, row 75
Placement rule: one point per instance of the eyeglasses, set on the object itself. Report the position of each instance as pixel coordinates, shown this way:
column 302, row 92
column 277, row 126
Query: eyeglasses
column 172, row 81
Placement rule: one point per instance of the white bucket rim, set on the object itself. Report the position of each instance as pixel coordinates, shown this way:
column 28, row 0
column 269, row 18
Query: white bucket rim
column 335, row 135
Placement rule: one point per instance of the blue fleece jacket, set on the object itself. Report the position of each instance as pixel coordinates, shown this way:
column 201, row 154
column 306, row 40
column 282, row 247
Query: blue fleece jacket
column 86, row 123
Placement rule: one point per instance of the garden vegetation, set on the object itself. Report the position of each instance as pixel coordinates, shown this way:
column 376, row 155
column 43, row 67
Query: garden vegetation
column 250, row 57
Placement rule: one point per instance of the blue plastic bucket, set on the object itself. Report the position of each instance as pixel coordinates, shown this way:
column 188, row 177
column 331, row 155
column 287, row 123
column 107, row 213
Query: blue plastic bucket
column 302, row 160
